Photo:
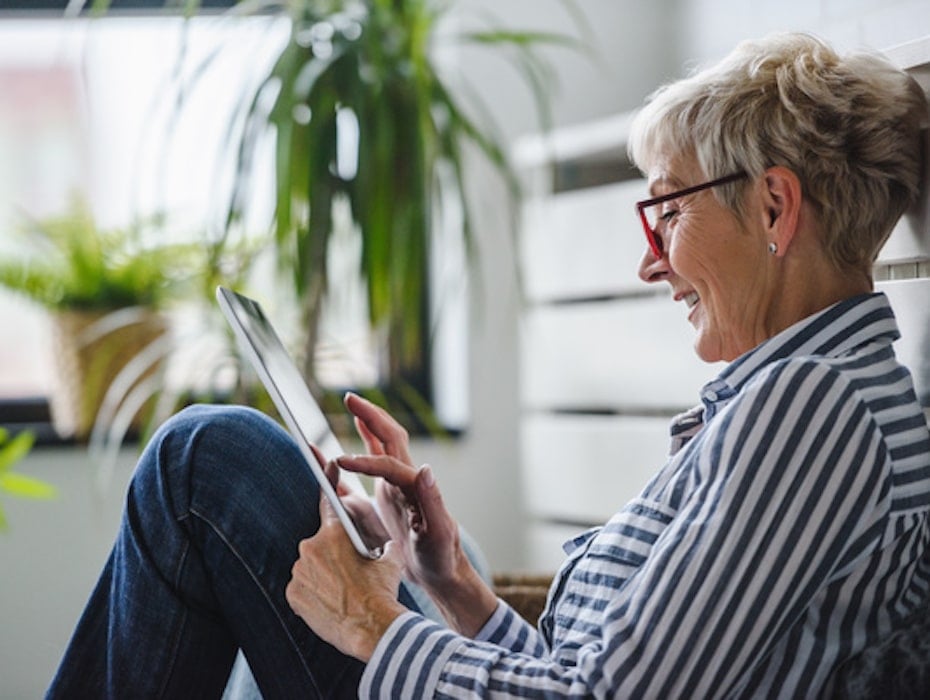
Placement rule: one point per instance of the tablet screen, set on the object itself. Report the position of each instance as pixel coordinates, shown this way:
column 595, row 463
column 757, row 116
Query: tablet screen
column 301, row 413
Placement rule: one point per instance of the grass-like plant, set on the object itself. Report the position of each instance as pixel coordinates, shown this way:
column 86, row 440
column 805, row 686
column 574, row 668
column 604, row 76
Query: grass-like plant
column 13, row 483
column 366, row 72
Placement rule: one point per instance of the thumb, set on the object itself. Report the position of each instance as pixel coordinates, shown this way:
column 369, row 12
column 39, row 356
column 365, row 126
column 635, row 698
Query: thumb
column 327, row 512
column 429, row 497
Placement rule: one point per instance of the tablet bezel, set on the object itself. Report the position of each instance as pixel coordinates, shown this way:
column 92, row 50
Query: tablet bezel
column 242, row 312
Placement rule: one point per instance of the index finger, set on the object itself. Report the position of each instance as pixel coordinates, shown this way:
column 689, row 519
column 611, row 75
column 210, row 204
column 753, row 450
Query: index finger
column 379, row 424
column 392, row 470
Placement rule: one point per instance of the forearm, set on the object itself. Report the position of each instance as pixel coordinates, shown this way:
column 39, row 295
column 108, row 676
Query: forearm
column 466, row 601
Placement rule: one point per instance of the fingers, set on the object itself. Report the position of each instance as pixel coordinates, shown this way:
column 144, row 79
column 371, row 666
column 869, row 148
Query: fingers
column 429, row 496
column 378, row 429
column 373, row 444
column 327, row 512
column 391, row 469
column 432, row 518
column 330, row 469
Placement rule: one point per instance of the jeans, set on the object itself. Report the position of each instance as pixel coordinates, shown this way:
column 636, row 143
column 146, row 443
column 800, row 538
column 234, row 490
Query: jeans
column 214, row 513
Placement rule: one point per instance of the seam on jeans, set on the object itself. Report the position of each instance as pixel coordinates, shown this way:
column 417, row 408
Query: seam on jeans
column 182, row 560
column 219, row 533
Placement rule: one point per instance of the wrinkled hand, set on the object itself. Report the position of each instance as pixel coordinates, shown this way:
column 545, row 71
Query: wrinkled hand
column 360, row 508
column 347, row 600
column 409, row 500
column 415, row 516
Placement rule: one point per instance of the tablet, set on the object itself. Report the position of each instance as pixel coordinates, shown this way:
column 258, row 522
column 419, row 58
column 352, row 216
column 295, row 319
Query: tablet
column 300, row 412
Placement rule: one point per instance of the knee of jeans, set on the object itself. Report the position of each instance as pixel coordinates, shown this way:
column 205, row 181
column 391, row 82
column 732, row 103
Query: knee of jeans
column 222, row 415
column 201, row 438
column 217, row 421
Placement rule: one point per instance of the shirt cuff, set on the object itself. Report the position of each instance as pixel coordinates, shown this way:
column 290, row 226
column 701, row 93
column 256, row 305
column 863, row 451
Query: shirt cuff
column 408, row 659
column 497, row 622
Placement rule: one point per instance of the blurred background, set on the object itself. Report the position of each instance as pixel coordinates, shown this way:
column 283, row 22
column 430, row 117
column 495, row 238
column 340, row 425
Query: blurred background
column 132, row 123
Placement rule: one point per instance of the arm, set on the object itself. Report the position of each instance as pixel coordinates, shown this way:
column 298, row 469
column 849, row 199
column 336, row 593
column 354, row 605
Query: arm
column 776, row 490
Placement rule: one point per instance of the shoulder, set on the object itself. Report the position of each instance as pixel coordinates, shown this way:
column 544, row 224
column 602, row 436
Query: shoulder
column 798, row 418
column 808, row 389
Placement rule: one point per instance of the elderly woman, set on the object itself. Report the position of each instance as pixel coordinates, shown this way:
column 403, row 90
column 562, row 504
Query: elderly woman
column 787, row 531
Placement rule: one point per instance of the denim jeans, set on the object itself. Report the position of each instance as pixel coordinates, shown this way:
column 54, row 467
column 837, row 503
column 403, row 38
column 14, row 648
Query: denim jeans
column 214, row 513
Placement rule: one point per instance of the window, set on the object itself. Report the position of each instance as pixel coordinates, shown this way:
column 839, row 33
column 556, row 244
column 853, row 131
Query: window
column 89, row 104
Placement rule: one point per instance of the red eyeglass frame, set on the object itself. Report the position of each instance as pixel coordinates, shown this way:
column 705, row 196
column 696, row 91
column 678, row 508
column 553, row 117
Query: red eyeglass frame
column 652, row 236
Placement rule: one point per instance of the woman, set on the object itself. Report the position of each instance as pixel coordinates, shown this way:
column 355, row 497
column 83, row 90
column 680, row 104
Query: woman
column 787, row 532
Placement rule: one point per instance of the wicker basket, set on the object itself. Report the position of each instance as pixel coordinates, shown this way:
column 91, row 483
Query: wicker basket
column 87, row 361
column 525, row 593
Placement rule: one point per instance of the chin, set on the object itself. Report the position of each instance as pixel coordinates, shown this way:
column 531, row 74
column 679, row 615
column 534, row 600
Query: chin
column 709, row 351
column 707, row 357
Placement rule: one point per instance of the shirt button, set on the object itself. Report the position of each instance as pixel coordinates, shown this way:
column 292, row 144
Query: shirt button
column 711, row 395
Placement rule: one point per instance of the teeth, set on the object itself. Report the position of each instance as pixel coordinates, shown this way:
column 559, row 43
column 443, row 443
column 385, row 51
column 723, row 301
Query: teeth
column 691, row 299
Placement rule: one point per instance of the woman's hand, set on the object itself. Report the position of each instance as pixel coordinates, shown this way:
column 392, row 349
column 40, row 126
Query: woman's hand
column 413, row 512
column 347, row 600
column 409, row 501
column 359, row 507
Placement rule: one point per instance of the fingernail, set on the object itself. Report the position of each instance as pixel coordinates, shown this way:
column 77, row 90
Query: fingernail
column 428, row 478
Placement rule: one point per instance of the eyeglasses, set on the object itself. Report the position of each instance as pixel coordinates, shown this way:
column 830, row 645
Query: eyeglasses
column 653, row 214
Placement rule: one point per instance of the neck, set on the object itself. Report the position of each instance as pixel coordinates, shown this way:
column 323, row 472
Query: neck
column 813, row 285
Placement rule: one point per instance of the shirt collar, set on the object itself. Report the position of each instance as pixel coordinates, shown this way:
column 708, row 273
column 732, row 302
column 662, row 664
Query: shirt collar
column 835, row 331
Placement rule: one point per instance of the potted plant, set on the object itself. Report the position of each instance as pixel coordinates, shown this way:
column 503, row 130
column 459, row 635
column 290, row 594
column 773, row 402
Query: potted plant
column 364, row 122
column 363, row 73
column 104, row 289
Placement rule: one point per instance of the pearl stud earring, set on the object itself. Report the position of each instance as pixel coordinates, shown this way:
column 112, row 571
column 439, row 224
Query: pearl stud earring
column 773, row 247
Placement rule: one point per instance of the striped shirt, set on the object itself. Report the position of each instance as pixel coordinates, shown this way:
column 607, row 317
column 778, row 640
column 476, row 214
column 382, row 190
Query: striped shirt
column 787, row 531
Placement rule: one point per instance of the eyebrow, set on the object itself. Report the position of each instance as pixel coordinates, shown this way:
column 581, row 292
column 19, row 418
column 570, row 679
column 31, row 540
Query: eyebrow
column 666, row 180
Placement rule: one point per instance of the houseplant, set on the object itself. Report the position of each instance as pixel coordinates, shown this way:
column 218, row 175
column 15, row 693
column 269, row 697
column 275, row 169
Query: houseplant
column 12, row 450
column 364, row 73
column 364, row 122
column 104, row 289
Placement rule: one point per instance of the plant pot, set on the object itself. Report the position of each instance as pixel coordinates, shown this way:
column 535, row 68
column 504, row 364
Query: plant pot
column 91, row 348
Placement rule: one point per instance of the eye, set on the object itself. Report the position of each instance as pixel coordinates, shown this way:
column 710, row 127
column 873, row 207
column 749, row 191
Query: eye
column 667, row 216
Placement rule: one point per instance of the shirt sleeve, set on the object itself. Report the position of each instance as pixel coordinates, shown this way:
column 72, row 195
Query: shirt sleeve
column 781, row 487
column 414, row 642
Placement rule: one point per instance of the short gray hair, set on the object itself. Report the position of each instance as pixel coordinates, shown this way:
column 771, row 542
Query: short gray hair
column 848, row 127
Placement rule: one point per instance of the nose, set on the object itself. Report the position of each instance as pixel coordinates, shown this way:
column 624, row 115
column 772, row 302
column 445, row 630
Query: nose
column 653, row 269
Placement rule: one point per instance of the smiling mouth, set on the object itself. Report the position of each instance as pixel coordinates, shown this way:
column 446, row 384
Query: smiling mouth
column 691, row 299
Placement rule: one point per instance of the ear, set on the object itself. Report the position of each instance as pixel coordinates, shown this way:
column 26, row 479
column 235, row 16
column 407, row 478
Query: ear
column 781, row 202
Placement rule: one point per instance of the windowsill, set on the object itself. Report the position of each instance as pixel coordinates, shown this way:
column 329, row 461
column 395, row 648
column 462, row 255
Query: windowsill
column 33, row 414
column 30, row 414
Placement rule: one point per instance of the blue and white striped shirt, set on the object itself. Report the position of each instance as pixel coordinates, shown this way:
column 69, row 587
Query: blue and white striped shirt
column 787, row 531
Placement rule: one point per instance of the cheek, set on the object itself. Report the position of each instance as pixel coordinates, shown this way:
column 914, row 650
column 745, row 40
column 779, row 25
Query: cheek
column 691, row 259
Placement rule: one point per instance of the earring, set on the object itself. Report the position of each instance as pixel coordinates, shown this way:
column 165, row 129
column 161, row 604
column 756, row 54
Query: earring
column 773, row 247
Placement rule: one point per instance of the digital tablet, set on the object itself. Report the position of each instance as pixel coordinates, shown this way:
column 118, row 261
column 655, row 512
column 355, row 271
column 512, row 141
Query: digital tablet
column 301, row 413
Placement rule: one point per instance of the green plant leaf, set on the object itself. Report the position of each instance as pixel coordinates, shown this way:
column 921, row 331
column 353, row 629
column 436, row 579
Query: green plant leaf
column 371, row 59
column 69, row 262
column 21, row 486
column 14, row 450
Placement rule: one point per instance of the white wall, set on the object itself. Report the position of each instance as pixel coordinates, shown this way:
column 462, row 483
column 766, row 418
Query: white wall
column 480, row 473
column 639, row 45
column 49, row 560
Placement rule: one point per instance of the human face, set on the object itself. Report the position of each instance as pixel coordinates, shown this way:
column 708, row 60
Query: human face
column 714, row 263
